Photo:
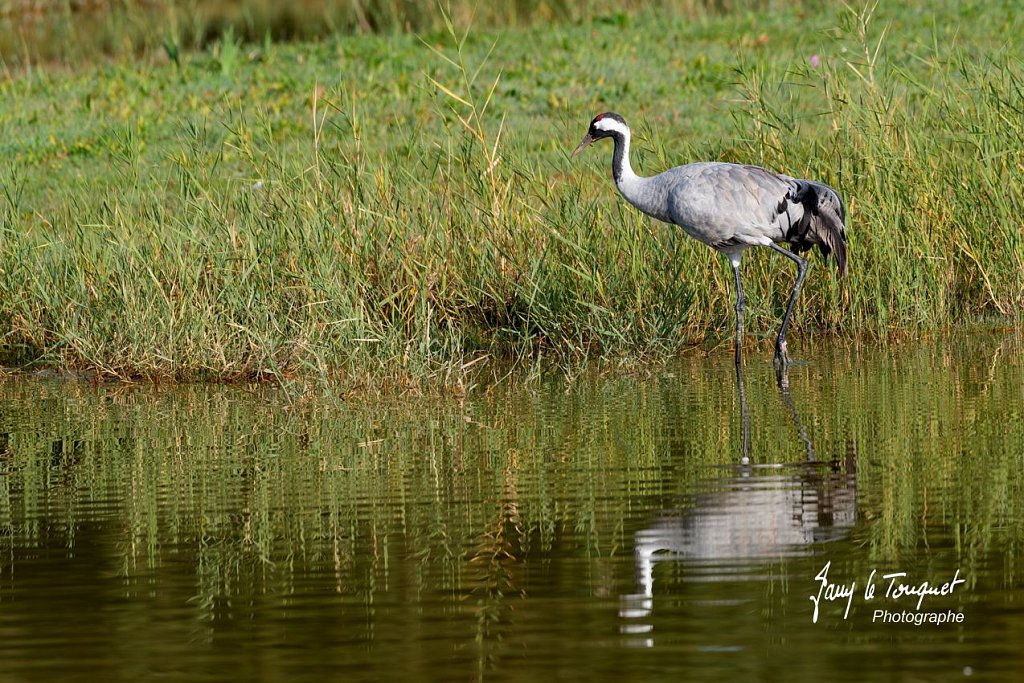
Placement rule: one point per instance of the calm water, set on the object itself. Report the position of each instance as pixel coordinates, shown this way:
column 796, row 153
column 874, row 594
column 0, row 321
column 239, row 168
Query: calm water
column 623, row 529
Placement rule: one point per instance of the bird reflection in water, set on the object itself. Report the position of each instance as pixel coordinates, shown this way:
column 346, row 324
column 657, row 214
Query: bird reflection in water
column 742, row 521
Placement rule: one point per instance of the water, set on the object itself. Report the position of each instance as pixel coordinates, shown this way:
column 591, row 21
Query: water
column 612, row 529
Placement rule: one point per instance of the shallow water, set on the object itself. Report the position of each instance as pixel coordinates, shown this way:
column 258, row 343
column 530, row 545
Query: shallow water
column 612, row 529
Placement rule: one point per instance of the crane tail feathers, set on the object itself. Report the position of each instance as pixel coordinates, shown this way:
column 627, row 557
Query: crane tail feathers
column 830, row 229
column 822, row 224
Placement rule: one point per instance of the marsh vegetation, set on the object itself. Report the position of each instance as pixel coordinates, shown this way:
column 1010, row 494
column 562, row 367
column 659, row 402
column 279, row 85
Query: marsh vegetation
column 401, row 208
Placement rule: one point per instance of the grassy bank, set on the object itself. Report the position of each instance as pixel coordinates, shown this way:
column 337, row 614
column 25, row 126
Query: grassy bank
column 72, row 31
column 385, row 207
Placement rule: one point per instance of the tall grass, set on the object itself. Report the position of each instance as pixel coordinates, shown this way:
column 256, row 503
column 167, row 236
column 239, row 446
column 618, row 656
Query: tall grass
column 416, row 215
column 933, row 162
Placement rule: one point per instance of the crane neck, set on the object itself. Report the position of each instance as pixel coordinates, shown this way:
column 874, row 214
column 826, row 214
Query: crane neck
column 646, row 194
column 622, row 170
column 631, row 186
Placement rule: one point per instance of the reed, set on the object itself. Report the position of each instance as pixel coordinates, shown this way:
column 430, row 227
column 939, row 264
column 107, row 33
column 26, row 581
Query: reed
column 390, row 211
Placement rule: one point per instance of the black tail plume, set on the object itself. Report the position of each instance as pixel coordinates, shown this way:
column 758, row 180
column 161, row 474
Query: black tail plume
column 822, row 224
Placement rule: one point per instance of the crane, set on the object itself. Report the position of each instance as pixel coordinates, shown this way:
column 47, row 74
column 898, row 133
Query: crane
column 732, row 207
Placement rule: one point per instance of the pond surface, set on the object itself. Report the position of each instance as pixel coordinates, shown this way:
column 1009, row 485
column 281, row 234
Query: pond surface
column 609, row 529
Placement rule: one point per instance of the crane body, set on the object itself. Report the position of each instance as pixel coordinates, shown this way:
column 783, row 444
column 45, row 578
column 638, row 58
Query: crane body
column 731, row 208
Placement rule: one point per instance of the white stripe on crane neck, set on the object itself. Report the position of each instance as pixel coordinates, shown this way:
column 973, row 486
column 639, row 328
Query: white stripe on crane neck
column 613, row 126
column 622, row 170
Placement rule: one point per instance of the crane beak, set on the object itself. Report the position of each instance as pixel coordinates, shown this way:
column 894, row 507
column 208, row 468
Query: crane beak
column 586, row 141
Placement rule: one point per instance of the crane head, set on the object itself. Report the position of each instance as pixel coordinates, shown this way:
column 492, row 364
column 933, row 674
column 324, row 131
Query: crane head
column 603, row 126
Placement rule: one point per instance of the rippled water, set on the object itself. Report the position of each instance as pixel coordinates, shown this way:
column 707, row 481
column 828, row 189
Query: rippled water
column 611, row 529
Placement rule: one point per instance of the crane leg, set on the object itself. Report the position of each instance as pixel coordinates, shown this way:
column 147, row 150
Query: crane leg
column 781, row 354
column 740, row 306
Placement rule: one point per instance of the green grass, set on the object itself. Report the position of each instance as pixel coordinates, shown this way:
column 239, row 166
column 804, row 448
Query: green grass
column 72, row 31
column 328, row 210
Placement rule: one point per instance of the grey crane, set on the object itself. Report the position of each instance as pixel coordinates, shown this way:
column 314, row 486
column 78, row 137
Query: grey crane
column 732, row 207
